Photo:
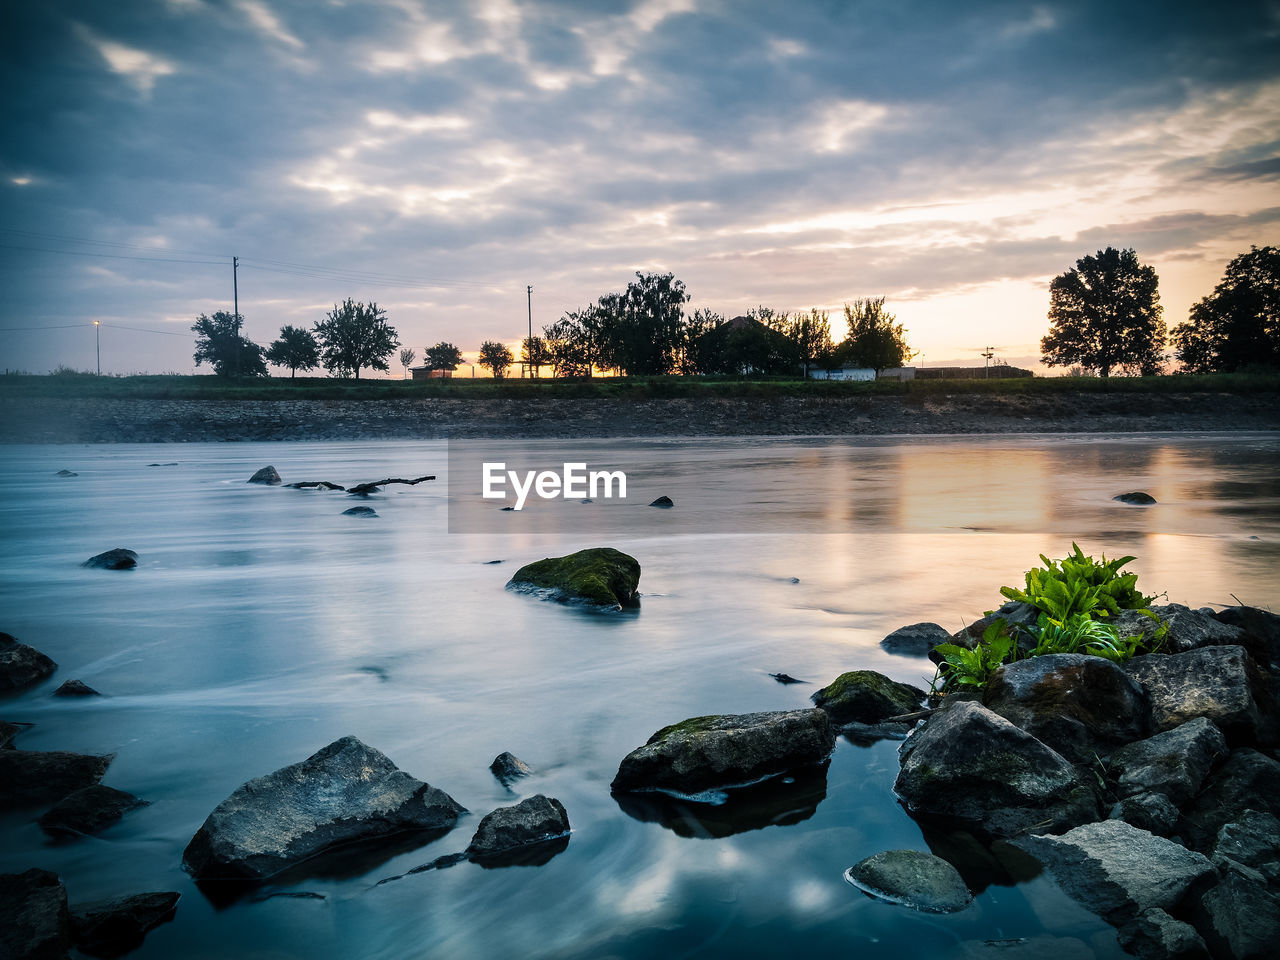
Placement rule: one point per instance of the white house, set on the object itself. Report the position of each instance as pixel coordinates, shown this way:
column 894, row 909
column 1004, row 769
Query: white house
column 844, row 373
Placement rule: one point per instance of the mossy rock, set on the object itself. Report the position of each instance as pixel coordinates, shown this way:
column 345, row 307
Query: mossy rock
column 599, row 575
column 864, row 696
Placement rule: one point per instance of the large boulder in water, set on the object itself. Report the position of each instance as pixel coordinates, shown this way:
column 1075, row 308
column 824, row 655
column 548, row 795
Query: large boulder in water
column 912, row 878
column 266, row 475
column 717, row 752
column 1220, row 683
column 864, row 696
column 34, row 919
column 21, row 665
column 916, row 639
column 89, row 810
column 1117, row 870
column 599, row 575
column 1173, row 763
column 343, row 793
column 29, row 777
column 507, row 829
column 119, row 558
column 1075, row 703
column 971, row 765
column 113, row 927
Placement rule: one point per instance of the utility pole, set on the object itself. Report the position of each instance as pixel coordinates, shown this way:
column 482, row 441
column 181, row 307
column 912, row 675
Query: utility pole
column 235, row 292
column 97, row 342
column 528, row 344
column 988, row 353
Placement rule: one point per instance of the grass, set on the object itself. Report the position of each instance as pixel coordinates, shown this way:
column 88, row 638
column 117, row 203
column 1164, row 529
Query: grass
column 68, row 384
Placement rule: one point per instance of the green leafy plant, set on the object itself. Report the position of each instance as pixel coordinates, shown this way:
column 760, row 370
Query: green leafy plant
column 1079, row 585
column 964, row 667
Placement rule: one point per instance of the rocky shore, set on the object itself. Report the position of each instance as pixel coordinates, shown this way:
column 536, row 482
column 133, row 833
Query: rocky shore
column 89, row 420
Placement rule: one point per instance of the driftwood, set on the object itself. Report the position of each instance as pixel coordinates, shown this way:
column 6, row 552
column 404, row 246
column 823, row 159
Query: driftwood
column 364, row 489
column 909, row 717
column 307, row 484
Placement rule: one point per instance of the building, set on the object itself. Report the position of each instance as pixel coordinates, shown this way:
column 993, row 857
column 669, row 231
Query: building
column 429, row 373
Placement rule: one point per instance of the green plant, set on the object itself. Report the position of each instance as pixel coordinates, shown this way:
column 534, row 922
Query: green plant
column 965, row 667
column 1079, row 585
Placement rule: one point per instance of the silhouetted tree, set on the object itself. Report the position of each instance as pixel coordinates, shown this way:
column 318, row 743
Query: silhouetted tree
column 497, row 357
column 218, row 342
column 443, row 356
column 874, row 339
column 296, row 349
column 355, row 335
column 699, row 351
column 811, row 334
column 1238, row 325
column 407, row 356
column 533, row 353
column 1105, row 314
column 646, row 324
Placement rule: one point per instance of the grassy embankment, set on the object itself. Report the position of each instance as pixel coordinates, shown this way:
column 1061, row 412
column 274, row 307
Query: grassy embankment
column 178, row 387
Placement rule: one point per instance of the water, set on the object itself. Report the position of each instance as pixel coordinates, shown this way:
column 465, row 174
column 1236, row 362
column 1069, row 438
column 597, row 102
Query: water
column 262, row 624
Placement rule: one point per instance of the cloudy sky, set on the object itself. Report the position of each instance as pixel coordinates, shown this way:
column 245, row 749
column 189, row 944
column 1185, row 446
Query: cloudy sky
column 438, row 157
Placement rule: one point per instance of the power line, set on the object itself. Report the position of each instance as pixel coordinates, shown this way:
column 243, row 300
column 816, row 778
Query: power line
column 109, row 256
column 59, row 326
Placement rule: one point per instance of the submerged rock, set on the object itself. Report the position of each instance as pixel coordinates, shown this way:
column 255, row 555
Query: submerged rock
column 1213, row 682
column 89, row 810
column 66, row 473
column 1173, row 763
column 864, row 696
column 266, row 475
column 971, row 765
column 507, row 767
column 599, row 575
column 663, row 502
column 1077, row 704
column 530, row 821
column 917, row 880
column 45, row 776
column 34, row 919
column 1137, row 497
column 718, row 752
column 21, row 665
column 360, row 512
column 916, row 639
column 786, row 678
column 1157, row 936
column 110, row 928
column 120, row 558
column 1117, row 870
column 8, row 731
column 76, row 688
column 343, row 793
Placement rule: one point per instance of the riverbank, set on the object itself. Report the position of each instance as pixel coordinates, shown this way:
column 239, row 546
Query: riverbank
column 79, row 419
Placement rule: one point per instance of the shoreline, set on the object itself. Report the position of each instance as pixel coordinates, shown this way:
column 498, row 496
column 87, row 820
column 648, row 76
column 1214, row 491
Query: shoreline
column 136, row 420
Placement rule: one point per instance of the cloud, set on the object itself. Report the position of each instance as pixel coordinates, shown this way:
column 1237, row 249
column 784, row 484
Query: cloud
column 140, row 68
column 263, row 19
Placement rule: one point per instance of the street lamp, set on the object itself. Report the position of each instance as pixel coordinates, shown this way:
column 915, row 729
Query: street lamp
column 97, row 342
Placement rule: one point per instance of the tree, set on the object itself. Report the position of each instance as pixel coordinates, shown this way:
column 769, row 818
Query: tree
column 407, row 356
column 296, row 349
column 443, row 356
column 567, row 350
column 533, row 353
column 645, row 324
column 1105, row 314
column 219, row 343
column 874, row 339
column 497, row 357
column 1238, row 325
column 811, row 334
column 356, row 335
column 700, row 352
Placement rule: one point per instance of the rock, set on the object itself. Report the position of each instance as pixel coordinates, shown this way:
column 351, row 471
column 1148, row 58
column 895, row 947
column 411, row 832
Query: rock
column 1154, row 935
column 971, row 765
column 1248, row 780
column 915, row 640
column 534, row 820
column 344, row 793
column 662, row 502
column 360, row 512
column 1239, row 919
column 66, row 473
column 786, row 678
column 76, row 688
column 265, row 475
column 1079, row 705
column 8, row 731
column 864, row 696
column 718, row 752
column 917, row 880
column 599, row 575
column 21, row 665
column 1253, row 838
column 34, row 921
column 89, row 810
column 1187, row 629
column 1018, row 618
column 1173, row 763
column 1262, row 625
column 30, row 777
column 1117, row 870
column 508, row 767
column 865, row 734
column 1213, row 682
column 1153, row 812
column 120, row 558
column 1137, row 497
column 110, row 928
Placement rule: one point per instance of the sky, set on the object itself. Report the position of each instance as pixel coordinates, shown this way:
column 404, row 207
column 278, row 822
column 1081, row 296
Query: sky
column 438, row 158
